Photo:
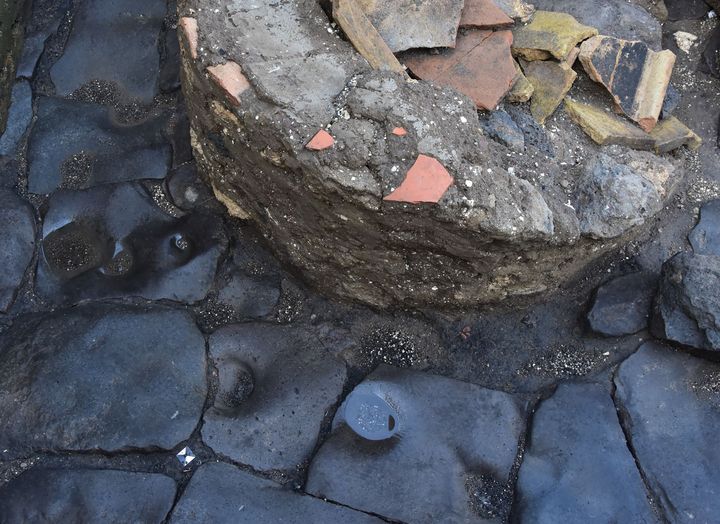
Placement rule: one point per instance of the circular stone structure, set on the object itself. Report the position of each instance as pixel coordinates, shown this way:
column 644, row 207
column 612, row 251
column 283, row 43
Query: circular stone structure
column 383, row 189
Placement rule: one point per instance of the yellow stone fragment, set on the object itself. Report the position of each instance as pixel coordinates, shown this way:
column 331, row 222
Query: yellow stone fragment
column 550, row 34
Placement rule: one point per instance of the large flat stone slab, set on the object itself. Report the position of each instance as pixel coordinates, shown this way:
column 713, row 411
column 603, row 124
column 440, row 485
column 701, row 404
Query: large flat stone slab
column 705, row 238
column 276, row 385
column 19, row 116
column 223, row 494
column 623, row 306
column 453, row 450
column 101, row 378
column 85, row 495
column 577, row 466
column 671, row 404
column 17, row 238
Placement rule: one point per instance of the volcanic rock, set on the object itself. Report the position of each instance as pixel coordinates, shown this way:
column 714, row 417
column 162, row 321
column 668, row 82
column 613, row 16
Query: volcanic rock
column 711, row 53
column 17, row 238
column 686, row 9
column 551, row 81
column 548, row 35
column 623, row 306
column 636, row 76
column 687, row 308
column 705, row 238
column 19, row 116
column 500, row 126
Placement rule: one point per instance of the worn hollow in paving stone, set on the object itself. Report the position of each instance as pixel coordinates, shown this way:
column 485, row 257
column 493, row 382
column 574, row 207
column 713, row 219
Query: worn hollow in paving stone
column 577, row 465
column 687, row 308
column 86, row 495
column 705, row 238
column 623, row 306
column 101, row 378
column 113, row 241
column 276, row 385
column 670, row 403
column 549, row 34
column 219, row 493
column 481, row 66
column 636, row 76
column 115, row 42
column 454, row 447
column 551, row 81
column 17, row 238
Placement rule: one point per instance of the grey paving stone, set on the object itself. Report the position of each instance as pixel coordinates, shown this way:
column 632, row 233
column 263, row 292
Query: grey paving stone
column 222, row 494
column 17, row 238
column 623, row 306
column 100, row 378
column 64, row 496
column 705, row 238
column 79, row 145
column 19, row 117
column 577, row 466
column 454, row 448
column 276, row 385
column 113, row 241
column 671, row 402
column 114, row 41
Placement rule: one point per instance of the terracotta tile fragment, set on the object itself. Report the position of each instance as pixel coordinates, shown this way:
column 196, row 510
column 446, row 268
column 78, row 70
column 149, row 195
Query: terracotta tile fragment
column 607, row 129
column 636, row 76
column 426, row 181
column 572, row 57
column 399, row 131
column 551, row 81
column 484, row 14
column 322, row 140
column 481, row 66
column 190, row 28
column 230, row 78
column 670, row 134
column 550, row 34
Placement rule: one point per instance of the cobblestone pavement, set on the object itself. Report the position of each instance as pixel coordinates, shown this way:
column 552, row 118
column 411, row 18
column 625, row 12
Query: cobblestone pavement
column 158, row 365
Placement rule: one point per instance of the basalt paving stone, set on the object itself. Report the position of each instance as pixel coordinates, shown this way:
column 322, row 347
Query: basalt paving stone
column 17, row 238
column 577, row 466
column 112, row 241
column 219, row 493
column 104, row 378
column 622, row 306
column 410, row 24
column 705, row 238
column 618, row 18
column 64, row 496
column 114, row 41
column 19, row 117
column 454, row 447
column 481, row 66
column 276, row 385
column 185, row 188
column 170, row 71
column 671, row 405
column 80, row 145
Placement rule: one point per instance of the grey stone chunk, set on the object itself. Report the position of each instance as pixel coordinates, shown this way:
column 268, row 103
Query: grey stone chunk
column 101, row 378
column 577, row 466
column 686, row 9
column 451, row 435
column 250, row 297
column 705, row 238
column 617, row 18
column 113, row 241
column 113, row 41
column 17, row 238
column 711, row 54
column 276, row 385
column 687, row 308
column 623, row 306
column 219, row 493
column 80, row 145
column 671, row 405
column 535, row 134
column 672, row 100
column 500, row 126
column 19, row 117
column 63, row 496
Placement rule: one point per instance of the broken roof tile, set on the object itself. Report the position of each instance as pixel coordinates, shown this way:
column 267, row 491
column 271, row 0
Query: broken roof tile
column 480, row 67
column 415, row 24
column 550, row 34
column 636, row 76
column 484, row 14
column 551, row 81
column 425, row 182
column 229, row 76
column 670, row 134
column 607, row 129
column 322, row 140
column 190, row 29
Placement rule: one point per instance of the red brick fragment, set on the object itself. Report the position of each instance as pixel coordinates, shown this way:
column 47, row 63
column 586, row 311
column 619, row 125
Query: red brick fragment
column 399, row 131
column 427, row 181
column 321, row 140
column 190, row 28
column 230, row 78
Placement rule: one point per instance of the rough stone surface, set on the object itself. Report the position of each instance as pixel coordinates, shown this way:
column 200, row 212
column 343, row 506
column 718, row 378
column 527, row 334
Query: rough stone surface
column 85, row 495
column 222, row 494
column 17, row 238
column 451, row 437
column 671, row 405
column 687, row 308
column 501, row 127
column 92, row 379
column 711, row 53
column 705, row 238
column 19, row 117
column 549, row 34
column 577, row 463
column 551, row 81
column 623, row 306
column 276, row 385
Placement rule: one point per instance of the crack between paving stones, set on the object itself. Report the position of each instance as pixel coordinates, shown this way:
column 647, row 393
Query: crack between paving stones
column 625, row 422
column 376, row 515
